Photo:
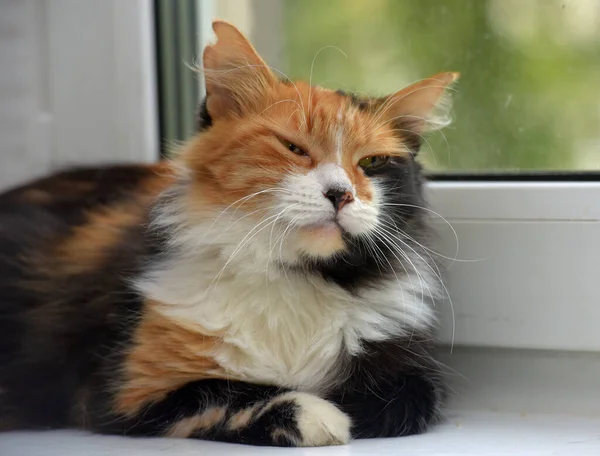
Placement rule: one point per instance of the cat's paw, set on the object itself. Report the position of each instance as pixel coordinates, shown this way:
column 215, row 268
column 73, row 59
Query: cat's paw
column 307, row 420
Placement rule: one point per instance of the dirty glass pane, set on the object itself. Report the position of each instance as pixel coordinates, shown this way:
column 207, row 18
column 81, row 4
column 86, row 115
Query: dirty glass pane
column 529, row 96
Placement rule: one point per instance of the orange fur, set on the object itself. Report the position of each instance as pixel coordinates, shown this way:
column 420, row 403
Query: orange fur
column 36, row 196
column 235, row 75
column 241, row 419
column 234, row 160
column 90, row 243
column 59, row 190
column 203, row 421
column 88, row 281
column 165, row 356
column 417, row 101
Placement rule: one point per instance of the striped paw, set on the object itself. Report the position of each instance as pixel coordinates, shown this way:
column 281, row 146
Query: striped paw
column 301, row 419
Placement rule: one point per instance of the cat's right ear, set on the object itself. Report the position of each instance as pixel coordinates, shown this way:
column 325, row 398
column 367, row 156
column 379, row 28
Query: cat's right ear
column 236, row 78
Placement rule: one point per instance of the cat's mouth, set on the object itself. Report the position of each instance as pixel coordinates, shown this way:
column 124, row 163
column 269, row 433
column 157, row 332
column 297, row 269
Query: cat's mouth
column 322, row 239
column 329, row 232
column 332, row 227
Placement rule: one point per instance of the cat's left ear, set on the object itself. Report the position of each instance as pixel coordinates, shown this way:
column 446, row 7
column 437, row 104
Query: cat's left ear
column 236, row 78
column 420, row 107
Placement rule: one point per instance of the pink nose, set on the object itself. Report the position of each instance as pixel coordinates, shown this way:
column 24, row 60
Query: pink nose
column 339, row 198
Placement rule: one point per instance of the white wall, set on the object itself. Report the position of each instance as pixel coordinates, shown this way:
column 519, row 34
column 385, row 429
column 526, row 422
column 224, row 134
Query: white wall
column 77, row 84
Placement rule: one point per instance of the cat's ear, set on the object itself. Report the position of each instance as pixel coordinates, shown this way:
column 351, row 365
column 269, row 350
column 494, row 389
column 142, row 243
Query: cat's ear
column 235, row 75
column 422, row 106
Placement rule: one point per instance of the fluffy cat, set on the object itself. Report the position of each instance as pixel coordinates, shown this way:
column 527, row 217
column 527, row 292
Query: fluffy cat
column 270, row 285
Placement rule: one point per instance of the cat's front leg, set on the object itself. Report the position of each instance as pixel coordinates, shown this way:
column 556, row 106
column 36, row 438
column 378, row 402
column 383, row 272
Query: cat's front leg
column 392, row 391
column 240, row 412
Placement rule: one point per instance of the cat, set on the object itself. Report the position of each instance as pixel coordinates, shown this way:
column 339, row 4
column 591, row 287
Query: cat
column 271, row 284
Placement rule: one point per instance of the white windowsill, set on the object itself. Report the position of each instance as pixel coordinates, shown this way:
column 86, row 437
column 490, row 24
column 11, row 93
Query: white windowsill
column 467, row 433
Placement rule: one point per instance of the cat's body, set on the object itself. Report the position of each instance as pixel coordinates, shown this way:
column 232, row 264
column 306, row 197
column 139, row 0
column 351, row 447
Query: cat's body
column 213, row 296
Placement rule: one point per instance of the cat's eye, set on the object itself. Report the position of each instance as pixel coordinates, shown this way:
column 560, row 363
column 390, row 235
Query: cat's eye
column 374, row 162
column 292, row 147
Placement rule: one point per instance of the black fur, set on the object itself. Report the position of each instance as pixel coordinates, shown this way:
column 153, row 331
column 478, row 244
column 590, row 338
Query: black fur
column 394, row 388
column 203, row 118
column 197, row 397
column 58, row 334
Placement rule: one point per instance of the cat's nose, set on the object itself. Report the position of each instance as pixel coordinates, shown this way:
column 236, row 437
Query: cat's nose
column 339, row 198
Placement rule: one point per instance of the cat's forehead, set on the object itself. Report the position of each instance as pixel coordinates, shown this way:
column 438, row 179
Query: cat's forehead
column 338, row 120
column 322, row 102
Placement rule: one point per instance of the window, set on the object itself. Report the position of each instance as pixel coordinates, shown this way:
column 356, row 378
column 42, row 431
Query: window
column 177, row 49
column 525, row 108
column 528, row 99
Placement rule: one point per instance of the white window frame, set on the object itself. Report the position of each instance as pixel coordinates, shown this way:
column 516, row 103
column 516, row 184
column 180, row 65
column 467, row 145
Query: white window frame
column 535, row 276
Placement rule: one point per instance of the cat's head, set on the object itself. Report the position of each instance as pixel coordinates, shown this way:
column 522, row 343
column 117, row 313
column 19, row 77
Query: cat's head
column 313, row 175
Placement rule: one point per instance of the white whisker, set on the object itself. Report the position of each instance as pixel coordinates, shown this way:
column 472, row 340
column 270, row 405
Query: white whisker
column 442, row 284
column 434, row 213
column 246, row 239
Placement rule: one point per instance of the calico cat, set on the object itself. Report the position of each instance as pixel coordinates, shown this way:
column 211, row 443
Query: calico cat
column 270, row 285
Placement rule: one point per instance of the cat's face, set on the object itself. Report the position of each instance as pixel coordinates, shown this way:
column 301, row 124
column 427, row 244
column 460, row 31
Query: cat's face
column 322, row 172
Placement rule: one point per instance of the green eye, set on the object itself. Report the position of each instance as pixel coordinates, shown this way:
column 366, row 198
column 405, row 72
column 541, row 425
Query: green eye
column 376, row 161
column 292, row 147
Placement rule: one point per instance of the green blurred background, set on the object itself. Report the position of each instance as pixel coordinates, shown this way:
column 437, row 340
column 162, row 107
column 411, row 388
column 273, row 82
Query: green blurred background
column 529, row 95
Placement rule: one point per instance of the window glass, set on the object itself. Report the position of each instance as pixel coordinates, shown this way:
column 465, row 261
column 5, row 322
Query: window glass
column 529, row 96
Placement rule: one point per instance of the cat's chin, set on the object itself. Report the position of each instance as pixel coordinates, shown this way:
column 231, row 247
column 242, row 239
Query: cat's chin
column 321, row 240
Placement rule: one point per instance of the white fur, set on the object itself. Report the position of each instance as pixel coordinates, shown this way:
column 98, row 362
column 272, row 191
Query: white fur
column 305, row 203
column 359, row 218
column 320, row 422
column 441, row 114
column 279, row 326
column 329, row 176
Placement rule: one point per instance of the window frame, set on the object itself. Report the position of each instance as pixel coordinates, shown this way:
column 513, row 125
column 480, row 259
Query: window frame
column 525, row 275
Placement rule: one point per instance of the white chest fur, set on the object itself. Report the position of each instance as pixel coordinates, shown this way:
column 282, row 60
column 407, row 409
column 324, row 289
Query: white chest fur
column 282, row 328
